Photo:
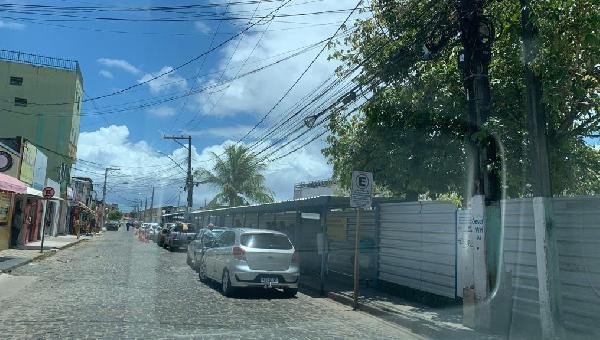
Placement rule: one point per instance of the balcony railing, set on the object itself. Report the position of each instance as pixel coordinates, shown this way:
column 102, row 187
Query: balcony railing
column 38, row 60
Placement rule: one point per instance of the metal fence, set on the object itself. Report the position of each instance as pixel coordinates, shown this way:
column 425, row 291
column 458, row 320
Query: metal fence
column 418, row 246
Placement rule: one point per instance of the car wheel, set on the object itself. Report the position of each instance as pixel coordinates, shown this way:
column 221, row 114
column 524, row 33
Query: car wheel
column 290, row 292
column 202, row 274
column 226, row 287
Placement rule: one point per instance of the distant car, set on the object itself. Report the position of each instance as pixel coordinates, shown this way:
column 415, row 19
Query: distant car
column 203, row 238
column 162, row 234
column 243, row 257
column 153, row 230
column 179, row 236
column 112, row 225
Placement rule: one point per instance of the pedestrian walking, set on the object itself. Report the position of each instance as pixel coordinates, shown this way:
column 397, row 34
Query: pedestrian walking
column 93, row 224
column 77, row 227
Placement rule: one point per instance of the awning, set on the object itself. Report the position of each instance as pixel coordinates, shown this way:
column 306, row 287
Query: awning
column 34, row 192
column 11, row 184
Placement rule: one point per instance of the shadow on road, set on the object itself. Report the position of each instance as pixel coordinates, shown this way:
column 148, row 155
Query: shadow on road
column 252, row 293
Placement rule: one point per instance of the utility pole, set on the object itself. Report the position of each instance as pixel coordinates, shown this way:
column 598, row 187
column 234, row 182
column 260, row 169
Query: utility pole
column 484, row 185
column 189, row 182
column 545, row 232
column 146, row 209
column 152, row 206
column 106, row 170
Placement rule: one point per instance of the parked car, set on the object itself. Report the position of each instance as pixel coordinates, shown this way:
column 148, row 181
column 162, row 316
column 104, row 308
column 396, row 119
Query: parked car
column 204, row 237
column 153, row 231
column 243, row 257
column 112, row 225
column 179, row 236
column 162, row 235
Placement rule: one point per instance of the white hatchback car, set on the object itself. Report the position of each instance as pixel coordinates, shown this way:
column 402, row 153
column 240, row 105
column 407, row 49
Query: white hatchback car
column 242, row 257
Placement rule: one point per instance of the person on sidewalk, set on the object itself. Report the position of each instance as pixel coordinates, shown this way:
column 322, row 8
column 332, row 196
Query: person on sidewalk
column 77, row 227
column 93, row 225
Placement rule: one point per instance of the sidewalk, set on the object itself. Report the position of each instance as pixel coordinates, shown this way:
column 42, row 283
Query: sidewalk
column 13, row 258
column 444, row 321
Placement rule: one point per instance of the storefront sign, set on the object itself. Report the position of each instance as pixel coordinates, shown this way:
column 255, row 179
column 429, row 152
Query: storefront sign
column 39, row 170
column 9, row 161
column 28, row 163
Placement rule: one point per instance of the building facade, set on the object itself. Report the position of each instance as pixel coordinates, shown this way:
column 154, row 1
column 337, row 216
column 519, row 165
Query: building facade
column 41, row 101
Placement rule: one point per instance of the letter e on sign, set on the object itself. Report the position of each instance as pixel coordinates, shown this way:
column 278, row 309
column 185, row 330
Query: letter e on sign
column 362, row 189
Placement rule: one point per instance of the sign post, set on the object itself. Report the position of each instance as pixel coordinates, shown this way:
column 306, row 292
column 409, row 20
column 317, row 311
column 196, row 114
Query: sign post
column 360, row 197
column 48, row 193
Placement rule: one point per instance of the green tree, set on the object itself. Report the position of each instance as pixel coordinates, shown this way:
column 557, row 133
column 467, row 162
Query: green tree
column 237, row 173
column 411, row 133
column 115, row 215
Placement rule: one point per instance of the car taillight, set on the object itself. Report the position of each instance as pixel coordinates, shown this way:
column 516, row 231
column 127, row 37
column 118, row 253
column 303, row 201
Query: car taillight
column 239, row 253
column 296, row 257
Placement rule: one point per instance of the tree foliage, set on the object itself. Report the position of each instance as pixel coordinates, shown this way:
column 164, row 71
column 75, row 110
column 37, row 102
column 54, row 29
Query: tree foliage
column 237, row 173
column 412, row 132
column 114, row 215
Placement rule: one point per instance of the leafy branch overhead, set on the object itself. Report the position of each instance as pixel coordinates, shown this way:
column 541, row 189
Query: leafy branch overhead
column 412, row 132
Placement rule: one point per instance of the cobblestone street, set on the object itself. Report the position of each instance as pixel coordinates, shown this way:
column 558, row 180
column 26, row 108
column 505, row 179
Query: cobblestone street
column 114, row 286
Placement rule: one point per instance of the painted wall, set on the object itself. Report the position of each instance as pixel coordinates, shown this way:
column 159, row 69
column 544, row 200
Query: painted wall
column 55, row 127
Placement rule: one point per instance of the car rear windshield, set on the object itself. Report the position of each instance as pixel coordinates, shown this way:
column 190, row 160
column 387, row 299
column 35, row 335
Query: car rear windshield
column 266, row 241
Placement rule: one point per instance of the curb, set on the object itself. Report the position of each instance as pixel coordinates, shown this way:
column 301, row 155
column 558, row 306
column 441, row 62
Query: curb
column 45, row 254
column 349, row 301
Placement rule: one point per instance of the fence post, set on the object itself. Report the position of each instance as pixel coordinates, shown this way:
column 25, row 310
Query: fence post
column 546, row 253
column 377, row 217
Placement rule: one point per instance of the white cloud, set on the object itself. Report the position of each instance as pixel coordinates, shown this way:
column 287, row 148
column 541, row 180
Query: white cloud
column 142, row 167
column 15, row 26
column 162, row 111
column 106, row 74
column 166, row 82
column 202, row 27
column 257, row 93
column 119, row 63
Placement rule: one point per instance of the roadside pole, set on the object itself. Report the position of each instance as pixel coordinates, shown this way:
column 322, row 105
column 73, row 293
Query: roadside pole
column 360, row 197
column 48, row 193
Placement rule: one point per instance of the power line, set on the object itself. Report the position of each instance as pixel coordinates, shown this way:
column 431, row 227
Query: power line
column 301, row 75
column 189, row 61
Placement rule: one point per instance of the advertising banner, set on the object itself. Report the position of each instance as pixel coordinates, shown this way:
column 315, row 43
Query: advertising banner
column 39, row 170
column 28, row 163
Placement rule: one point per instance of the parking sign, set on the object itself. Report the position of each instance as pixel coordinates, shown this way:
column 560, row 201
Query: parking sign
column 362, row 189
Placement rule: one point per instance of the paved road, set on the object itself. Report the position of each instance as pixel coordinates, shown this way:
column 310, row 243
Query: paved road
column 115, row 286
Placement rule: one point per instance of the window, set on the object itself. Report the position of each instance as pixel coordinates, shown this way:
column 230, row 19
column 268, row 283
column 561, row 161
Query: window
column 266, row 241
column 227, row 239
column 20, row 101
column 16, row 81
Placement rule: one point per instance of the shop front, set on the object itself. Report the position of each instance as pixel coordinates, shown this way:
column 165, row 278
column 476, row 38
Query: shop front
column 9, row 187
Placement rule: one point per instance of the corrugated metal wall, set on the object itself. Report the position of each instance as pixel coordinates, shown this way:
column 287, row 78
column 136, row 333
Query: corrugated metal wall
column 578, row 235
column 418, row 246
column 341, row 231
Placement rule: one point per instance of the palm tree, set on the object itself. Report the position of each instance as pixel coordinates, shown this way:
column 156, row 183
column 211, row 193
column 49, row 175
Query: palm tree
column 238, row 174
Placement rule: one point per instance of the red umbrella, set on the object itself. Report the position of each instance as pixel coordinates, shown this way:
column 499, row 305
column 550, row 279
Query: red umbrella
column 11, row 184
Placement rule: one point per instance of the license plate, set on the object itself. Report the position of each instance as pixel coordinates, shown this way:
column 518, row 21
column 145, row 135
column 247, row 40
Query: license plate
column 268, row 280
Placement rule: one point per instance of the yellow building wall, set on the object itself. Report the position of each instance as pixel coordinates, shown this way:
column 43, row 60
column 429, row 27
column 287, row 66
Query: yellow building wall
column 55, row 127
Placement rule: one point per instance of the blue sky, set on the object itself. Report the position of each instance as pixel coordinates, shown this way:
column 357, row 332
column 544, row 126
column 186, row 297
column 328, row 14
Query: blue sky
column 133, row 139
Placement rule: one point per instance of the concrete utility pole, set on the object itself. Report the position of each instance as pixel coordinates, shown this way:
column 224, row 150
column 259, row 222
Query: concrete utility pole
column 145, row 209
column 189, row 183
column 484, row 185
column 106, row 170
column 545, row 233
column 477, row 35
column 152, row 206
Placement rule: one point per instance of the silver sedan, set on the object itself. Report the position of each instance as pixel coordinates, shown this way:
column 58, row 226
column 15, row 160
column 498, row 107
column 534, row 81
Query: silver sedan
column 242, row 257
